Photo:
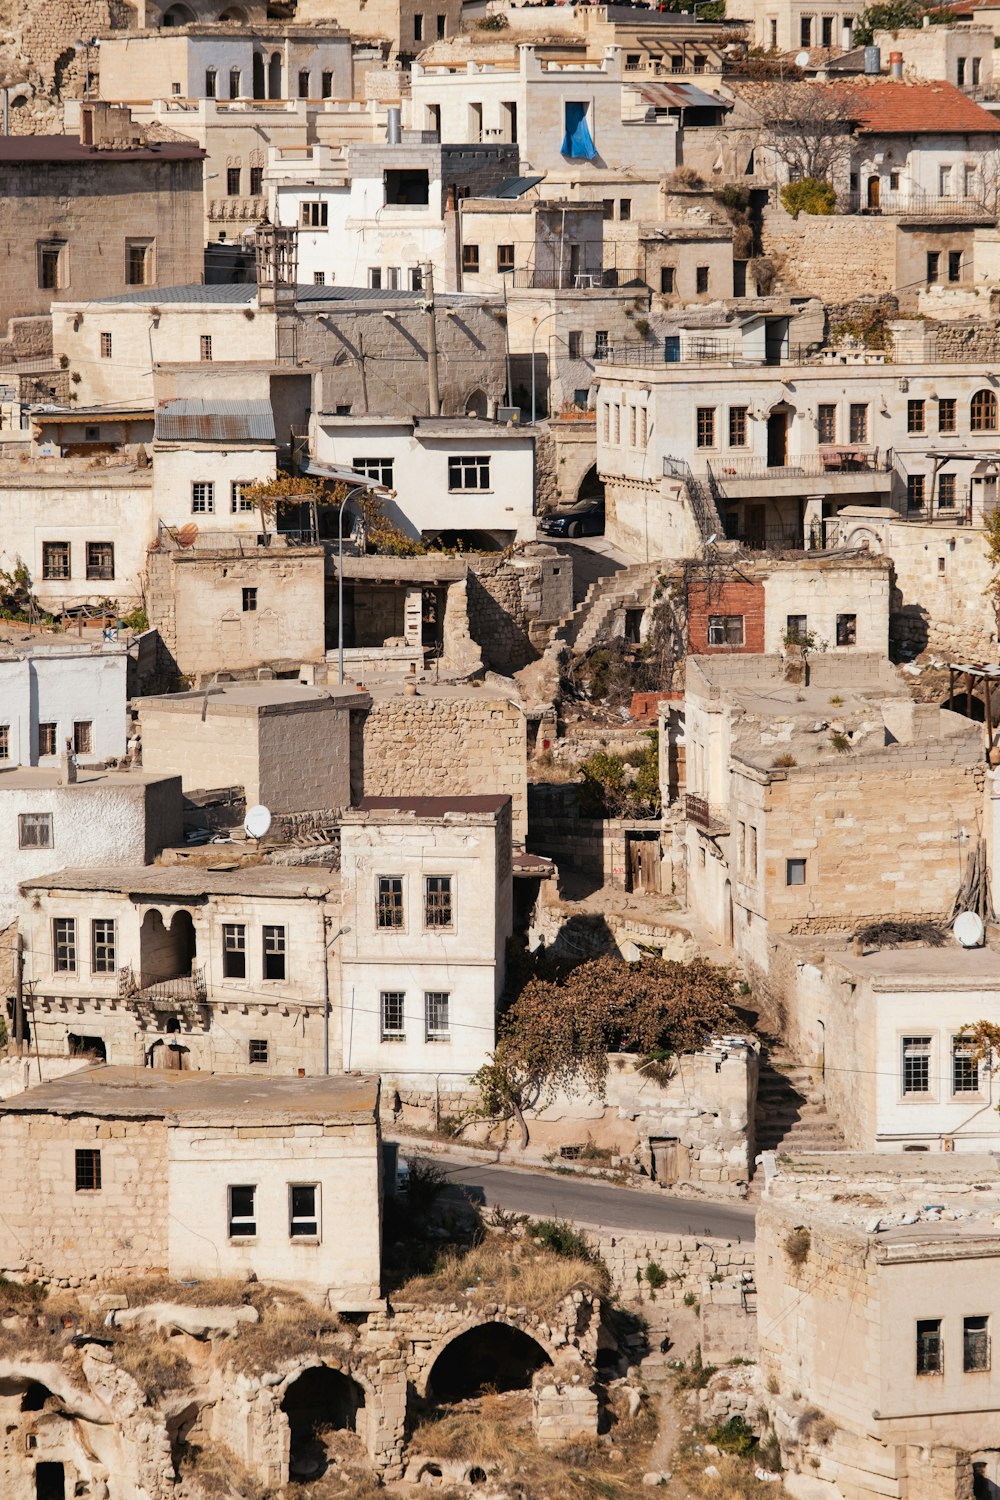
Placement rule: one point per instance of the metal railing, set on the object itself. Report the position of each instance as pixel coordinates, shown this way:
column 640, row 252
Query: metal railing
column 829, row 461
column 590, row 279
column 914, row 205
column 176, row 990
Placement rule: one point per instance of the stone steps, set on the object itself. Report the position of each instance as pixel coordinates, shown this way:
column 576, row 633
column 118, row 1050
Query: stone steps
column 791, row 1111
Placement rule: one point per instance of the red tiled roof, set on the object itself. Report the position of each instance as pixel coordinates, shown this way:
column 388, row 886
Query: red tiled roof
column 898, row 106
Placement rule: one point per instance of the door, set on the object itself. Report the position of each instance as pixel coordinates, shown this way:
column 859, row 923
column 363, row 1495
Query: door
column 663, row 1156
column 777, row 440
column 874, row 191
column 754, row 530
column 50, row 1482
column 643, row 863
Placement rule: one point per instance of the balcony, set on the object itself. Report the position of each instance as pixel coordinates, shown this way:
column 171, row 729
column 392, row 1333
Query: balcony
column 911, row 205
column 831, row 471
column 594, row 279
column 698, row 812
column 165, row 994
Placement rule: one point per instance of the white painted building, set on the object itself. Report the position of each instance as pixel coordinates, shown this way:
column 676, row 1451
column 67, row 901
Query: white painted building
column 206, row 452
column 428, row 911
column 53, row 694
column 450, row 474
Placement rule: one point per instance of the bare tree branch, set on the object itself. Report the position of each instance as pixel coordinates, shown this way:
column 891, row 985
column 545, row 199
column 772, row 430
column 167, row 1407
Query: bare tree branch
column 807, row 126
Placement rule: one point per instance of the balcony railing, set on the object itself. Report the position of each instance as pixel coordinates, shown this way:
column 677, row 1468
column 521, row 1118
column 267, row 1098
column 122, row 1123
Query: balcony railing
column 806, row 466
column 593, row 279
column 914, row 205
column 182, row 989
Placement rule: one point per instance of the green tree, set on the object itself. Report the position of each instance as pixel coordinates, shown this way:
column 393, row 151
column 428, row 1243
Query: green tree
column 808, row 195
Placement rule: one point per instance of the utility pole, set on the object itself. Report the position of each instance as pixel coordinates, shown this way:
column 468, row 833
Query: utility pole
column 433, row 390
column 19, row 993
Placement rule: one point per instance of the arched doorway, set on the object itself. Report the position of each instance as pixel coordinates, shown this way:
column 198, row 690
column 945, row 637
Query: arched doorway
column 493, row 1355
column 874, row 192
column 591, row 485
column 320, row 1400
column 476, row 404
column 87, row 1046
column 178, row 15
column 274, row 76
column 258, row 76
column 778, row 421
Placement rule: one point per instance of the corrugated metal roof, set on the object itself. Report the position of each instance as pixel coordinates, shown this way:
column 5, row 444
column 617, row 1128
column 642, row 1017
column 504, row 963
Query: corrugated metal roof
column 680, row 96
column 513, row 187
column 194, row 420
column 240, row 294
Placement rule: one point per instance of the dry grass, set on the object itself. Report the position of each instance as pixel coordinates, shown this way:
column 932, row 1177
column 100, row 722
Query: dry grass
column 219, row 1473
column 155, row 1366
column 506, row 1270
column 286, row 1330
column 736, row 1480
column 229, row 1291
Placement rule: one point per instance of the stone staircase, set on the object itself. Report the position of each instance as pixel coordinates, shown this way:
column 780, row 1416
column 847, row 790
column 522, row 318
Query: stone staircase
column 791, row 1113
column 630, row 588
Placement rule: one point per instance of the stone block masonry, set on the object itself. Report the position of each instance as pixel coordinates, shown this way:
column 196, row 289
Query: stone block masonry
column 689, row 1261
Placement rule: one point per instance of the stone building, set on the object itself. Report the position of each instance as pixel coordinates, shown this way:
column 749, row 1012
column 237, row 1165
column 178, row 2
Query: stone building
column 97, row 213
column 169, row 1155
column 893, row 1259
column 53, row 693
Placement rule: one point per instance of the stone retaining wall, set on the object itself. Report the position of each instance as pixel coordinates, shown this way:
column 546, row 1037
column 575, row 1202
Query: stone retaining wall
column 688, row 1260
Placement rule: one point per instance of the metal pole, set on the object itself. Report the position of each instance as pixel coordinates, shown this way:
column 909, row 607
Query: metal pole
column 326, row 999
column 340, row 580
column 534, row 335
column 433, row 385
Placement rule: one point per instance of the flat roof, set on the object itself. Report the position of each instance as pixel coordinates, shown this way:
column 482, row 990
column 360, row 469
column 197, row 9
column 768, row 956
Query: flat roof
column 434, row 807
column 950, row 967
column 188, row 1097
column 175, row 883
column 241, row 294
column 43, row 778
column 69, row 148
column 236, row 697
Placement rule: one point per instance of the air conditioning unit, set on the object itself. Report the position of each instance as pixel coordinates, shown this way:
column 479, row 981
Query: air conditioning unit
column 509, row 414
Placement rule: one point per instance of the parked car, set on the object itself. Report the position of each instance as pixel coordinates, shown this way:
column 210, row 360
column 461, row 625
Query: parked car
column 583, row 518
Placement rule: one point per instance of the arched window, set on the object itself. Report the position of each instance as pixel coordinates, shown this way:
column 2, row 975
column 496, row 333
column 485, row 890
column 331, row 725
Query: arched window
column 983, row 412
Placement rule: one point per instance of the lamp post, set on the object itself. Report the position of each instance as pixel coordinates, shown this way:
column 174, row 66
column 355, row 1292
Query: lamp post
column 340, row 578
column 534, row 334
column 326, row 999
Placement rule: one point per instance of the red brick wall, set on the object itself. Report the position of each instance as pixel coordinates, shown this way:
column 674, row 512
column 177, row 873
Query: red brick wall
column 733, row 597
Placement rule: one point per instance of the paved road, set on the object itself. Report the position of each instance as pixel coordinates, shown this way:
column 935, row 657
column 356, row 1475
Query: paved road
column 545, row 1195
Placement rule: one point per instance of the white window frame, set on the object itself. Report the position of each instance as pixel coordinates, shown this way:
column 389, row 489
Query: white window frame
column 911, row 1040
column 203, row 497
column 233, row 1232
column 309, row 1236
column 437, row 1033
column 388, row 1033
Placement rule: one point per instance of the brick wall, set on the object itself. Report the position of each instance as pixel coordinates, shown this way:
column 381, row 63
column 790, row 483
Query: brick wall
column 731, row 597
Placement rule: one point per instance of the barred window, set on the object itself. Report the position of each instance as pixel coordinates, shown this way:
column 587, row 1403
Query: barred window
column 705, row 428
column 258, row 1049
column 859, row 422
column 826, row 424
column 88, row 1171
column 393, row 1021
column 437, row 1004
column 4, row 742
column 437, row 901
column 34, row 830
column 64, row 945
column 56, row 560
column 101, row 560
column 947, row 414
column 738, row 426
column 930, row 1349
column 915, row 490
column 976, row 1343
column 964, row 1067
column 106, row 346
column 389, row 910
column 203, row 497
column 102, row 946
column 947, row 491
column 915, row 416
column 916, row 1064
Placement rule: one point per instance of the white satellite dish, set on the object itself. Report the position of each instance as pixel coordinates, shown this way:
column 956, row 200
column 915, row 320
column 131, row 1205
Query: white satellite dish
column 802, row 59
column 969, row 930
column 257, row 821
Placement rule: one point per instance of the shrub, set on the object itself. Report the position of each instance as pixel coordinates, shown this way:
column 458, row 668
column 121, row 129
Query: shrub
column 840, row 742
column 733, row 1436
column 561, row 1238
column 425, row 1182
column 809, row 195
column 655, row 1275
column 797, row 1245
column 784, row 761
column 498, row 22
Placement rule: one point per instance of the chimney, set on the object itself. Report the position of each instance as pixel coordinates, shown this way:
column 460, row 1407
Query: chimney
column 393, row 125
column 896, row 64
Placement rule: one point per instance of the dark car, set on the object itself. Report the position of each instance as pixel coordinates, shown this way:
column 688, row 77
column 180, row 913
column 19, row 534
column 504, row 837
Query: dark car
column 584, row 518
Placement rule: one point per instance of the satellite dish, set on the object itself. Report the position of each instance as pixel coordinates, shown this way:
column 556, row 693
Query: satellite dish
column 257, row 821
column 713, row 538
column 969, row 930
column 802, row 59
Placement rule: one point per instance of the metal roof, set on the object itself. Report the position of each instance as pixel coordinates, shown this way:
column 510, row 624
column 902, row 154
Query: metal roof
column 680, row 96
column 193, row 420
column 241, row 294
column 512, row 187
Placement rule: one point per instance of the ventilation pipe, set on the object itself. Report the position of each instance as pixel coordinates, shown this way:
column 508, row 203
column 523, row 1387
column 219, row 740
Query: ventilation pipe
column 896, row 64
column 394, row 125
column 873, row 60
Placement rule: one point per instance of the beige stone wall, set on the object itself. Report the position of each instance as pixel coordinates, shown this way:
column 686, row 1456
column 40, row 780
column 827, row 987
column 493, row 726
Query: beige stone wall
column 49, row 1229
column 688, row 1260
column 447, row 742
column 830, row 256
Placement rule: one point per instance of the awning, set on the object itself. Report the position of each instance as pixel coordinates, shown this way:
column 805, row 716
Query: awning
column 343, row 475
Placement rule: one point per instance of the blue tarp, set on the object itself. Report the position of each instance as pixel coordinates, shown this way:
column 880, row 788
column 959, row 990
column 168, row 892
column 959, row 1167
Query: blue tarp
column 577, row 142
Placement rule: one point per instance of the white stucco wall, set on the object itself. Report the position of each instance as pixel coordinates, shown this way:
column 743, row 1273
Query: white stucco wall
column 64, row 687
column 177, row 467
column 51, row 506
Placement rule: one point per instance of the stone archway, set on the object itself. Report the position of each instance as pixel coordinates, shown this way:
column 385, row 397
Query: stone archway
column 476, row 403
column 495, row 1354
column 178, row 15
column 318, row 1400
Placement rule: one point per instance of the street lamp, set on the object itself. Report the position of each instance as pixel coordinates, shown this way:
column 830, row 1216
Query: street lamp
column 534, row 333
column 84, row 46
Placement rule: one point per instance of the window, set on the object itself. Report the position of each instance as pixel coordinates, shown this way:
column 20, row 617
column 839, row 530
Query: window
column 983, row 412
column 55, row 560
column 326, row 86
column 257, row 1050
column 795, row 872
column 441, row 25
column 105, row 346
column 505, row 258
column 826, row 424
column 436, row 1018
column 470, row 258
column 203, row 497
column 601, row 344
column 256, row 181
column 314, row 215
column 319, row 278
column 725, row 630
column 701, row 279
column 175, row 89
column 954, row 265
column 375, row 278
column 916, row 1064
column 51, row 265
column 34, row 830
column 235, row 83
column 737, row 427
column 205, row 346
column 234, row 178
column 624, row 209
column 915, row 491
column 933, row 266
column 633, row 427
column 378, row 469
column 976, row 71
column 237, row 501
column 699, row 62
column 915, row 416
column 960, row 71
column 211, row 83
column 705, row 427
column 242, row 1216
column 826, row 31
column 975, row 1343
column 469, row 472
column 88, row 1171
column 303, row 83
column 946, row 493
column 4, row 742
column 393, row 1022
column 303, row 1211
column 947, row 414
column 964, row 1067
column 944, row 181
column 234, row 950
column 805, row 31
column 859, row 422
column 83, row 737
column 437, row 901
column 773, row 35
column 64, row 945
column 575, row 344
column 418, row 27
column 753, row 850
column 847, row 630
column 101, row 560
column 102, row 946
column 667, row 276
column 389, row 909
column 416, row 279
column 91, row 434
column 930, row 1350
column 275, row 951
column 249, row 601
column 46, row 739
column 138, row 262
column 607, row 208
column 894, row 182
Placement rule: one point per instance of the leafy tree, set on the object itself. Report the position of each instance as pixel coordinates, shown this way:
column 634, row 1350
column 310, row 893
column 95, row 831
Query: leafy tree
column 559, row 1030
column 896, row 15
column 291, row 489
column 807, row 195
column 17, row 596
column 616, row 786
